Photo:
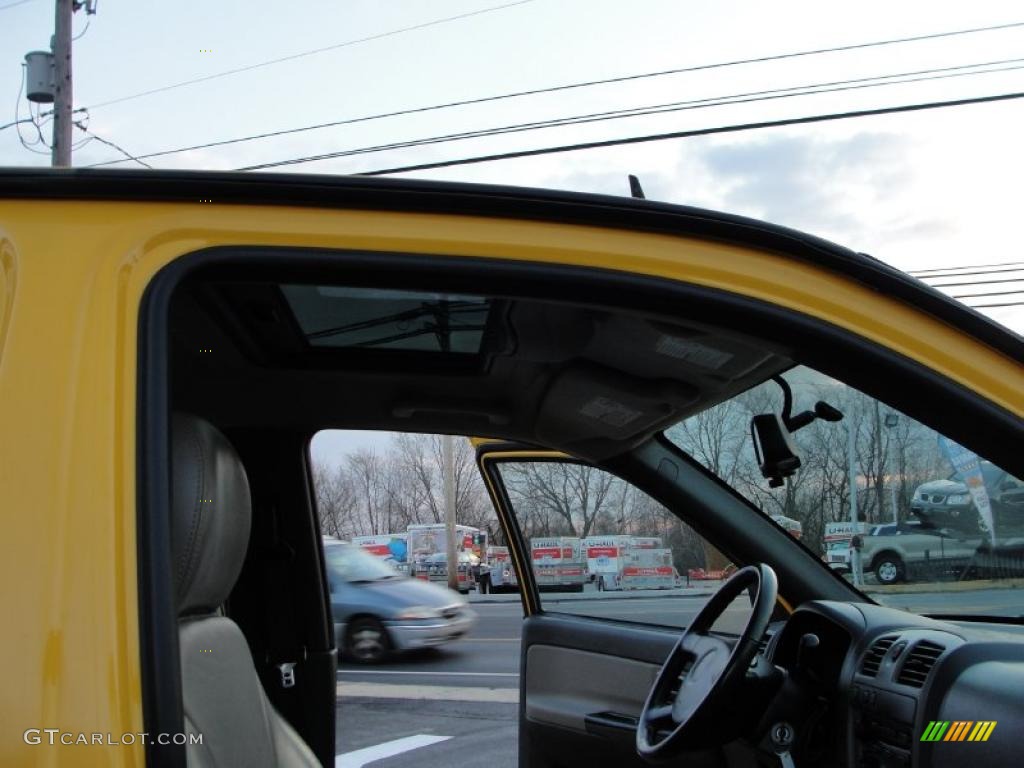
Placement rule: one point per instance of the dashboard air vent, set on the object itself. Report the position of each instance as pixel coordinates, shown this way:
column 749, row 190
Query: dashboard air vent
column 873, row 656
column 919, row 663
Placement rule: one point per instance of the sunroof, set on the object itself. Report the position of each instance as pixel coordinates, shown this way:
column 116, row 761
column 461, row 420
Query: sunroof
column 366, row 318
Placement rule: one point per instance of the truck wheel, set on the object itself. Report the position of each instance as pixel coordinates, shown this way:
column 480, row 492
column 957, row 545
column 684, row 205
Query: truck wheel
column 366, row 641
column 889, row 569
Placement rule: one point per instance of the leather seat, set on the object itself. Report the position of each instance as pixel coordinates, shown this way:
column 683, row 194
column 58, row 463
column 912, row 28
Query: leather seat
column 221, row 692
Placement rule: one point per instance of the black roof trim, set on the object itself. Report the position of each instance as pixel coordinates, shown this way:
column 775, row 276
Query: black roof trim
column 376, row 193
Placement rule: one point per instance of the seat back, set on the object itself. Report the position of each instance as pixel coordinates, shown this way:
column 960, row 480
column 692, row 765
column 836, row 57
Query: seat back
column 223, row 700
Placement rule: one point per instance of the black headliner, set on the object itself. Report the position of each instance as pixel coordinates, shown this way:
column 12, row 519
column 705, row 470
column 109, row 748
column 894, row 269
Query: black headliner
column 356, row 192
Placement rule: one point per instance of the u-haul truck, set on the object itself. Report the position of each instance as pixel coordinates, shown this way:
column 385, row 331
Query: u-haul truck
column 648, row 568
column 496, row 572
column 427, row 553
column 629, row 562
column 605, row 559
column 645, row 542
column 393, row 547
column 837, row 543
column 794, row 527
column 559, row 563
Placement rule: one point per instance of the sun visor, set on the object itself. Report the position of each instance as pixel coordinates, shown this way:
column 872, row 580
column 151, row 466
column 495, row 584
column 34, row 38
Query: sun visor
column 587, row 402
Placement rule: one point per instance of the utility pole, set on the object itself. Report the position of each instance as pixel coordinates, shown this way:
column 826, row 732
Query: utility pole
column 851, row 458
column 891, row 420
column 448, row 470
column 63, row 99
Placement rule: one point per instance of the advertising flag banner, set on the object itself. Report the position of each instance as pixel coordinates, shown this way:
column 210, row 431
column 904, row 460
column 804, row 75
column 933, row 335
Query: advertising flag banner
column 968, row 465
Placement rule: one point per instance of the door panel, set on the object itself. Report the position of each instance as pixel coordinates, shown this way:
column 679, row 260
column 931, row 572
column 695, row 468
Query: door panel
column 578, row 667
column 583, row 683
column 566, row 685
column 588, row 659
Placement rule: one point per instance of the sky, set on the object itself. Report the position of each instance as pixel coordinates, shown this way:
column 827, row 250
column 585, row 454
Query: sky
column 919, row 191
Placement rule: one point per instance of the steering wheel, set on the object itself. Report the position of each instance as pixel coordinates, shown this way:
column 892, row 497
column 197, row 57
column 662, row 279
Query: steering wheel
column 683, row 706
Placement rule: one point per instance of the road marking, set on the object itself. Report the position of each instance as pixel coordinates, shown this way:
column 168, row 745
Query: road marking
column 361, row 757
column 427, row 673
column 431, row 692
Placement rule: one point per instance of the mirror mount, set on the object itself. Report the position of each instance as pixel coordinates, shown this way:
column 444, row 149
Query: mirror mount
column 773, row 445
column 774, row 448
column 822, row 410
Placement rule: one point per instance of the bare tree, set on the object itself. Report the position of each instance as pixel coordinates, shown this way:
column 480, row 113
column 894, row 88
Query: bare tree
column 368, row 474
column 419, row 462
column 335, row 500
column 553, row 498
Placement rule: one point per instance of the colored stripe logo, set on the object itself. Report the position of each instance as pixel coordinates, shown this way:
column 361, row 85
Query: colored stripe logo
column 958, row 730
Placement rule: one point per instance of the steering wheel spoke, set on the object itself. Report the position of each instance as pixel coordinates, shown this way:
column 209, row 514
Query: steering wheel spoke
column 702, row 669
column 659, row 715
column 693, row 644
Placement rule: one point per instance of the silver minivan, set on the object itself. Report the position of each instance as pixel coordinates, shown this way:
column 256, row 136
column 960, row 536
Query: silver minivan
column 379, row 611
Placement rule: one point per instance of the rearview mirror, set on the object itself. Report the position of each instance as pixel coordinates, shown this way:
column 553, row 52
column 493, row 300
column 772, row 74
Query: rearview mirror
column 773, row 446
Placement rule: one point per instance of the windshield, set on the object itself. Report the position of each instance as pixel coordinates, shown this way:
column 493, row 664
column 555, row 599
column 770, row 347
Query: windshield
column 354, row 565
column 928, row 545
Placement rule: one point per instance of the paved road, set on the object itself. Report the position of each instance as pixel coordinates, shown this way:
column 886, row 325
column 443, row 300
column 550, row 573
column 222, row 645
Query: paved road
column 478, row 734
column 488, row 656
column 457, row 705
column 986, row 602
column 422, row 698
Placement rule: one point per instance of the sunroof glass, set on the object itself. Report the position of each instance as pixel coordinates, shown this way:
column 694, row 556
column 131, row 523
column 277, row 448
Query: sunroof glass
column 366, row 318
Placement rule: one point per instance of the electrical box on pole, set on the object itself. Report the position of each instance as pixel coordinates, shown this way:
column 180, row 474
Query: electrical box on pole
column 39, row 84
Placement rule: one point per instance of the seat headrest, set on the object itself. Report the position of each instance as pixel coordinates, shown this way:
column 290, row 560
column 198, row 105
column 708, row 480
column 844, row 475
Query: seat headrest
column 210, row 514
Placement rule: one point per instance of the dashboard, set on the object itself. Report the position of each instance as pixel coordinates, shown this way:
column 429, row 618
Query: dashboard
column 882, row 687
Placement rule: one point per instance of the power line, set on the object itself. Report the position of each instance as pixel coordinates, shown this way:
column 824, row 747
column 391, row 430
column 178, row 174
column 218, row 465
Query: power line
column 303, row 54
column 696, row 132
column 743, row 98
column 29, row 145
column 1016, row 264
column 976, row 273
column 82, row 127
column 564, row 87
column 977, row 282
column 985, row 295
column 11, row 5
column 82, row 33
column 15, row 122
column 989, row 306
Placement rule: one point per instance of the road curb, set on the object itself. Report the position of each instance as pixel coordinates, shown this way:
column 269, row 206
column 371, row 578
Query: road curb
column 940, row 588
column 403, row 691
column 567, row 597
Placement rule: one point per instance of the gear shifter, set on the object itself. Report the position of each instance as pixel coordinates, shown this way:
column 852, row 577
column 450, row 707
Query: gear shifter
column 805, row 655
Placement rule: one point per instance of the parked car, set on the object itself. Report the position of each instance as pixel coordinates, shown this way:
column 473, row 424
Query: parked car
column 948, row 503
column 434, row 568
column 895, row 552
column 378, row 611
